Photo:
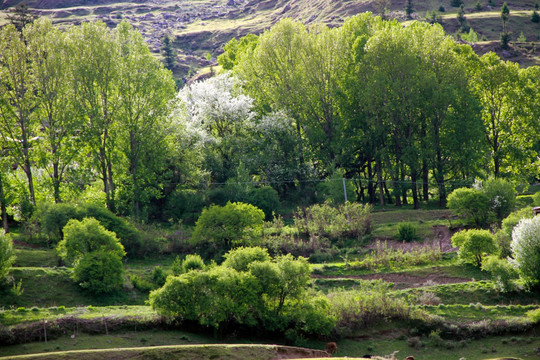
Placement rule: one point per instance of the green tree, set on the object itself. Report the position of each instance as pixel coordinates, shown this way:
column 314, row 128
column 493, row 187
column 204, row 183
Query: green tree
column 100, row 272
column 20, row 16
column 505, row 15
column 495, row 83
column 59, row 143
column 168, row 53
column 223, row 227
column 471, row 204
column 409, row 9
column 94, row 54
column 18, row 102
column 501, row 195
column 86, row 236
column 474, row 245
column 535, row 18
column 146, row 88
column 525, row 247
column 240, row 258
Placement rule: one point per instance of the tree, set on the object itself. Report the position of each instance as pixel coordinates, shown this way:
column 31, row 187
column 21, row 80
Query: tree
column 456, row 3
column 59, row 142
column 535, row 18
column 240, row 258
column 145, row 89
column 495, row 83
column 224, row 227
column 501, row 195
column 462, row 20
column 100, row 272
column 168, row 53
column 471, row 204
column 525, row 247
column 18, row 102
column 86, row 236
column 94, row 54
column 409, row 9
column 474, row 245
column 505, row 15
column 20, row 16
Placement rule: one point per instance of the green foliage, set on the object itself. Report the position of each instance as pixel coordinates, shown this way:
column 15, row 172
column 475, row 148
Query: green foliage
column 184, row 204
column 504, row 235
column 526, row 249
column 52, row 218
column 83, row 237
column 474, row 245
column 263, row 293
column 266, row 199
column 501, row 195
column 240, row 258
column 535, row 18
column 505, row 40
column 7, row 256
column 349, row 220
column 502, row 272
column 536, row 199
column 332, row 190
column 471, row 204
column 223, row 227
column 456, row 3
column 159, row 276
column 357, row 310
column 100, row 272
column 191, row 262
column 406, row 232
column 385, row 257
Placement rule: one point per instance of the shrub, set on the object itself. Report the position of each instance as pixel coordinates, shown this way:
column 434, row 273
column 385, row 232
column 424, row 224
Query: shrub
column 471, row 204
column 474, row 245
column 429, row 298
column 184, row 204
column 536, row 199
column 504, row 235
column 223, row 227
column 240, row 258
column 140, row 283
column 53, row 217
column 332, row 191
column 159, row 276
column 100, row 272
column 456, row 3
column 535, row 18
column 7, row 256
column 526, row 249
column 501, row 195
column 191, row 262
column 83, row 237
column 406, row 232
column 502, row 272
column 264, row 198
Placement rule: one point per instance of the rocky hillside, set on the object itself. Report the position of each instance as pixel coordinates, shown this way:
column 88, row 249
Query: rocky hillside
column 199, row 27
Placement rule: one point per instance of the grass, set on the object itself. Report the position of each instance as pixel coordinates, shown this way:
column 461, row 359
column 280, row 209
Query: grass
column 476, row 312
column 26, row 257
column 24, row 315
column 46, row 287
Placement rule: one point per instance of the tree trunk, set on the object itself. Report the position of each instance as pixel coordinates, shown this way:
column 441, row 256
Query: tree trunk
column 425, row 180
column 370, row 187
column 403, row 187
column 414, row 189
column 56, row 183
column 378, row 167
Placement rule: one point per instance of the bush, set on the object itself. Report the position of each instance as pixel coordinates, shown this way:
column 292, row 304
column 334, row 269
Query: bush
column 184, row 204
column 406, row 232
column 224, row 227
column 502, row 273
column 456, row 3
column 266, row 199
column 474, row 245
column 54, row 217
column 504, row 235
column 100, row 272
column 83, row 237
column 191, row 262
column 7, row 256
column 501, row 195
column 535, row 18
column 536, row 199
column 470, row 204
column 159, row 276
column 331, row 190
column 526, row 249
column 240, row 258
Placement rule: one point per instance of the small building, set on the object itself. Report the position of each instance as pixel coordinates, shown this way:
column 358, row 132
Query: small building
column 536, row 210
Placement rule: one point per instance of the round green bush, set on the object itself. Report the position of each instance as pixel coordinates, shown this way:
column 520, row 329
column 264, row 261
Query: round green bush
column 471, row 204
column 502, row 197
column 406, row 232
column 100, row 272
column 224, row 227
column 191, row 262
column 83, row 237
column 240, row 258
column 526, row 249
column 474, row 245
column 266, row 199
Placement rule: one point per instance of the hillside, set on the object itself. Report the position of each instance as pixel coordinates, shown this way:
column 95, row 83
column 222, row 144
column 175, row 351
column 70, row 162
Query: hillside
column 199, row 27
